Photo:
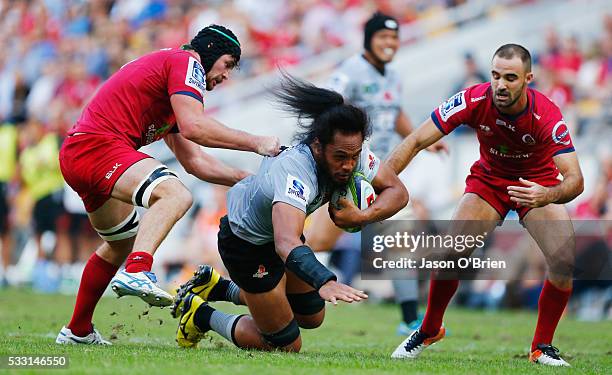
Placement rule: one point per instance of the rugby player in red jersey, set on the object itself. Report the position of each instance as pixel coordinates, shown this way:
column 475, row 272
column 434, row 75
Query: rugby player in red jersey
column 528, row 164
column 157, row 96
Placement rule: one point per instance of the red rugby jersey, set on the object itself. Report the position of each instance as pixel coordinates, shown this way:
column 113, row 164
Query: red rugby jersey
column 510, row 146
column 134, row 103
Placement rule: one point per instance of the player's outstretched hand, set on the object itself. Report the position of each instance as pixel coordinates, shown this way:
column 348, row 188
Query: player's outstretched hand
column 346, row 214
column 439, row 147
column 333, row 292
column 268, row 146
column 531, row 195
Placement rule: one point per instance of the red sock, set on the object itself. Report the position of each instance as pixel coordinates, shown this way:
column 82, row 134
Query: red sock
column 139, row 261
column 96, row 277
column 550, row 308
column 440, row 294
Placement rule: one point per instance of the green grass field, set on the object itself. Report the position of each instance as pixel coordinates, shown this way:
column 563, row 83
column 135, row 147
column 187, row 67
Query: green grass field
column 354, row 339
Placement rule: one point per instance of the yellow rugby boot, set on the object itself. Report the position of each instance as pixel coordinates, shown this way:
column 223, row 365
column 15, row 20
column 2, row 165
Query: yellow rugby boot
column 203, row 281
column 188, row 334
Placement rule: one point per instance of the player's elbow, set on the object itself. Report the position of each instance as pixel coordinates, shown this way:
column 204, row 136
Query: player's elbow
column 404, row 195
column 579, row 185
column 189, row 130
column 576, row 186
column 401, row 196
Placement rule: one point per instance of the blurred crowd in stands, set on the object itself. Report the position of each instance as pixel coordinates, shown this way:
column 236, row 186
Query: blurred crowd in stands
column 55, row 53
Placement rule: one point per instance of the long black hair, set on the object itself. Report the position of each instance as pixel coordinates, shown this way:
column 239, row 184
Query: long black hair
column 320, row 112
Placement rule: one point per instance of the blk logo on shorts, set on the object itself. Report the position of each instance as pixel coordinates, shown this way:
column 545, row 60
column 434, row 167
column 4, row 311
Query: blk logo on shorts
column 109, row 174
column 261, row 272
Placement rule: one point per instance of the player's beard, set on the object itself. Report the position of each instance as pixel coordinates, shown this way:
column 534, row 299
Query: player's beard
column 325, row 172
column 513, row 99
column 210, row 86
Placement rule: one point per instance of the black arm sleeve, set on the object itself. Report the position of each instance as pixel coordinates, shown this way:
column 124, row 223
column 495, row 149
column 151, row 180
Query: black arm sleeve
column 305, row 265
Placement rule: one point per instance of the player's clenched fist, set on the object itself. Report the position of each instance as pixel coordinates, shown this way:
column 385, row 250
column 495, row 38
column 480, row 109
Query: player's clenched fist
column 333, row 291
column 346, row 214
column 268, row 146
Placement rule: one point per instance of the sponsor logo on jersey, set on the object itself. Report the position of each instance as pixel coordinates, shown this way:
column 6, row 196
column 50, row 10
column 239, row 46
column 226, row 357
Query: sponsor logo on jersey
column 388, row 96
column 113, row 170
column 537, row 116
column 150, row 136
column 154, row 134
column 504, row 153
column 371, row 161
column 505, row 124
column 195, row 76
column 453, row 105
column 528, row 139
column 486, row 130
column 474, row 100
column 560, row 133
column 297, row 190
column 372, row 88
column 261, row 272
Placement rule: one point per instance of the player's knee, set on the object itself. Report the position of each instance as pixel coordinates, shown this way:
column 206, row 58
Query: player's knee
column 286, row 339
column 309, row 308
column 311, row 321
column 175, row 191
column 295, row 347
column 184, row 199
column 161, row 184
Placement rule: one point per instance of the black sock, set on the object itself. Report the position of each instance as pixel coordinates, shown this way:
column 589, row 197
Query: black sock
column 226, row 290
column 219, row 291
column 202, row 317
column 409, row 311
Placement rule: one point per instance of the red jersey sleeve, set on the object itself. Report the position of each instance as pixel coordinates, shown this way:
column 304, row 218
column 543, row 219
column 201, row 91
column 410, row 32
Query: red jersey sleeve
column 556, row 138
column 186, row 76
column 554, row 135
column 453, row 112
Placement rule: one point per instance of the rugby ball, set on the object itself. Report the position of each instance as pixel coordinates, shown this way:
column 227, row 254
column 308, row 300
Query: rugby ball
column 359, row 190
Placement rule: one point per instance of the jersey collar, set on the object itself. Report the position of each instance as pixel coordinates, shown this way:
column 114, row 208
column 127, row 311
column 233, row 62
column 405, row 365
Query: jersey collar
column 379, row 71
column 528, row 107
